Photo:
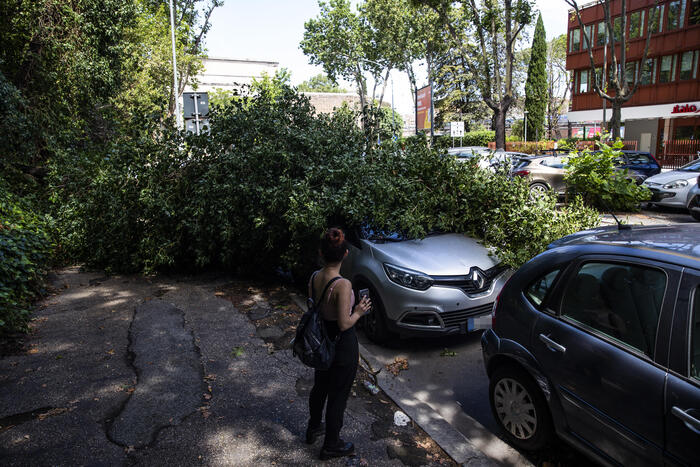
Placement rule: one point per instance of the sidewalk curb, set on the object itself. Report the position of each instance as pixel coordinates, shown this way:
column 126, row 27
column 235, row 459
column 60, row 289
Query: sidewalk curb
column 454, row 443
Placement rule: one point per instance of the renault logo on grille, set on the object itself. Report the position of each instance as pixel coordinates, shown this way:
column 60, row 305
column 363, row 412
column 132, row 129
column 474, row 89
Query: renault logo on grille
column 477, row 277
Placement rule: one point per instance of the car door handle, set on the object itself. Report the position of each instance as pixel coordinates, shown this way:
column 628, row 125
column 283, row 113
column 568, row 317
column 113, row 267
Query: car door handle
column 690, row 421
column 551, row 345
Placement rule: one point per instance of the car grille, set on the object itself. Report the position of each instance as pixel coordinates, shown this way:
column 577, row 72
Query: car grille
column 455, row 318
column 466, row 284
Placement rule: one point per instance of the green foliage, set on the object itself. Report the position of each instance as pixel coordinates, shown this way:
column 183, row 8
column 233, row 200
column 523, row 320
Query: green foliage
column 601, row 184
column 320, row 83
column 536, row 84
column 25, row 247
column 259, row 192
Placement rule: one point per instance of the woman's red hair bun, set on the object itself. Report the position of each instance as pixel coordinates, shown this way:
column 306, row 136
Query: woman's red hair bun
column 333, row 245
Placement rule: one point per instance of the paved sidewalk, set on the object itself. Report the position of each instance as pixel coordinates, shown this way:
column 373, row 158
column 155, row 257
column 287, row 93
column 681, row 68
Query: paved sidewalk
column 127, row 370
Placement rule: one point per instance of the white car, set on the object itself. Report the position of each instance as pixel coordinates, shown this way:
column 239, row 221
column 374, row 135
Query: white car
column 671, row 188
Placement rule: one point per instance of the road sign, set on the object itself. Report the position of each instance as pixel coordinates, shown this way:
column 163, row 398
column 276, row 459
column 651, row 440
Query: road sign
column 196, row 110
column 457, row 129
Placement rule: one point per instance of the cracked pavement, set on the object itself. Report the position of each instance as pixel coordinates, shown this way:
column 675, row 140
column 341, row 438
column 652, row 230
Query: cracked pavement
column 127, row 370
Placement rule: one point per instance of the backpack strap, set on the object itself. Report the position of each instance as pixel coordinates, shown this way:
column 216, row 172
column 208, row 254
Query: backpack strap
column 325, row 289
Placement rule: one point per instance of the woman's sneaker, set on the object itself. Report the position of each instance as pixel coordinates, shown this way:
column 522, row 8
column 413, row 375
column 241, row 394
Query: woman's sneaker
column 313, row 433
column 339, row 450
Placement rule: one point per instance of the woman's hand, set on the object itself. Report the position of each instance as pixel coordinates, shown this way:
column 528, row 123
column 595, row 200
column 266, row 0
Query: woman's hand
column 363, row 307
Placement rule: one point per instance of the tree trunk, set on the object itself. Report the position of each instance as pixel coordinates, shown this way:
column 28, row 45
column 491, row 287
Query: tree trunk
column 499, row 122
column 616, row 119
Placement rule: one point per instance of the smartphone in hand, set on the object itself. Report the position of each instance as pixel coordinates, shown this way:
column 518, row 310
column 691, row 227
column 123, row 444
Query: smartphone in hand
column 362, row 294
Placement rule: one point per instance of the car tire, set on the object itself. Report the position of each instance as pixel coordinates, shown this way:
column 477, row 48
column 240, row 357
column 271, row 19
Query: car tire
column 374, row 323
column 538, row 190
column 696, row 215
column 519, row 408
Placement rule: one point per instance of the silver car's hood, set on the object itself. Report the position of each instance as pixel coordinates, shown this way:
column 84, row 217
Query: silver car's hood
column 437, row 255
column 667, row 177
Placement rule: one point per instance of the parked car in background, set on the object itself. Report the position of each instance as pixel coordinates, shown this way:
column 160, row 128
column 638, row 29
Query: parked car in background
column 597, row 340
column 436, row 286
column 694, row 200
column 543, row 173
column 467, row 152
column 672, row 188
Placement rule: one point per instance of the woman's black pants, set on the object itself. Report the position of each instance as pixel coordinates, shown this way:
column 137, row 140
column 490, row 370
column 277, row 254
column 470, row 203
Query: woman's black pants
column 332, row 385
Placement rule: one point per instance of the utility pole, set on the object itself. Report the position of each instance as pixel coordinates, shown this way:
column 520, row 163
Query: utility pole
column 178, row 115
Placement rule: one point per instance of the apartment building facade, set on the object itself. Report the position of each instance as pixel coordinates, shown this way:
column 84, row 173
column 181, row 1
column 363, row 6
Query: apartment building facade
column 666, row 106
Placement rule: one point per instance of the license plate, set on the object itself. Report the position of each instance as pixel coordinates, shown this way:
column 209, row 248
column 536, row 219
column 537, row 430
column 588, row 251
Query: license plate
column 480, row 322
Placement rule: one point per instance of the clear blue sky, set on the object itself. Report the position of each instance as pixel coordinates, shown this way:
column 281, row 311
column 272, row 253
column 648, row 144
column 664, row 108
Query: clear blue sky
column 272, row 30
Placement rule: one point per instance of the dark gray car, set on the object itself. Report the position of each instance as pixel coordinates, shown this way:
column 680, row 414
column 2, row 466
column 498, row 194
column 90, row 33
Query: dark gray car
column 598, row 341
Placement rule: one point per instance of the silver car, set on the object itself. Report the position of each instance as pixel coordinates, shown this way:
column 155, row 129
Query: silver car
column 671, row 188
column 694, row 200
column 442, row 284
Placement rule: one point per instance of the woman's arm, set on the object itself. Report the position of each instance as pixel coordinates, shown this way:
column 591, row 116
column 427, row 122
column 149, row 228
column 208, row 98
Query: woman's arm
column 346, row 320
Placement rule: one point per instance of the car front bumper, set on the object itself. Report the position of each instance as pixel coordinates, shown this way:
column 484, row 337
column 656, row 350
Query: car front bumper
column 490, row 344
column 671, row 198
column 440, row 310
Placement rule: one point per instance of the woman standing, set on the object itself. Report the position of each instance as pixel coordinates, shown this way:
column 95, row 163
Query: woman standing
column 337, row 306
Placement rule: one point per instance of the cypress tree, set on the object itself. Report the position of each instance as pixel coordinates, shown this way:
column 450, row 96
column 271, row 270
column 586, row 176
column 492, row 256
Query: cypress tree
column 536, row 84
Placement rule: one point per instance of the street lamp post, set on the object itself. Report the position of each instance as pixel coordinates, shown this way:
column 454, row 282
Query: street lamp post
column 178, row 116
column 525, row 125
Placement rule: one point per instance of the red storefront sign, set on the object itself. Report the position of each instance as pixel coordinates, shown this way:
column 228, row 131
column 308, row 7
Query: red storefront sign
column 687, row 108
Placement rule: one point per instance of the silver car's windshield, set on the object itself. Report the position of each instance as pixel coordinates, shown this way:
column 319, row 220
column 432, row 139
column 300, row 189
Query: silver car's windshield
column 377, row 235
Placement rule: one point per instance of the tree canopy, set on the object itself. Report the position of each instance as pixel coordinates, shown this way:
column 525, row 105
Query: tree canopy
column 536, row 84
column 320, row 83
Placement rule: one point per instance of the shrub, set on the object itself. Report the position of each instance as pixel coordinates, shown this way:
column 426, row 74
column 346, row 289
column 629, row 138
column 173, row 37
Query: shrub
column 602, row 185
column 25, row 247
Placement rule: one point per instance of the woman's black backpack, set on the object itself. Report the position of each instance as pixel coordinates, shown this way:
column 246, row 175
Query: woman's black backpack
column 312, row 345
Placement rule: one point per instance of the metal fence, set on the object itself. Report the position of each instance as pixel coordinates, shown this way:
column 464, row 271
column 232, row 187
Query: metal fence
column 676, row 153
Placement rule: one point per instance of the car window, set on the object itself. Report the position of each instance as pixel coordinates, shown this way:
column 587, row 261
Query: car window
column 554, row 162
column 622, row 301
column 695, row 336
column 537, row 291
column 638, row 158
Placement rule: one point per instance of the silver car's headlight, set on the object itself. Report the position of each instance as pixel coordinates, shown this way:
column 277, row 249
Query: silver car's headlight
column 407, row 277
column 676, row 184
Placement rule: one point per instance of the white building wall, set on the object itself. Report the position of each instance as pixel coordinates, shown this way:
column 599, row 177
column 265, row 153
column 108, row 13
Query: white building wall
column 230, row 74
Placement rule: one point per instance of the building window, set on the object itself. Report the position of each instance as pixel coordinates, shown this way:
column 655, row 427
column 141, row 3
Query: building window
column 676, row 14
column 667, row 70
column 649, row 72
column 575, row 40
column 694, row 12
column 588, row 36
column 617, row 29
column 637, row 24
column 600, row 36
column 689, row 65
column 583, row 81
column 656, row 19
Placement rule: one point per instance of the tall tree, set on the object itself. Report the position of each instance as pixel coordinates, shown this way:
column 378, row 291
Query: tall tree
column 496, row 26
column 622, row 87
column 536, row 84
column 557, row 83
column 353, row 45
